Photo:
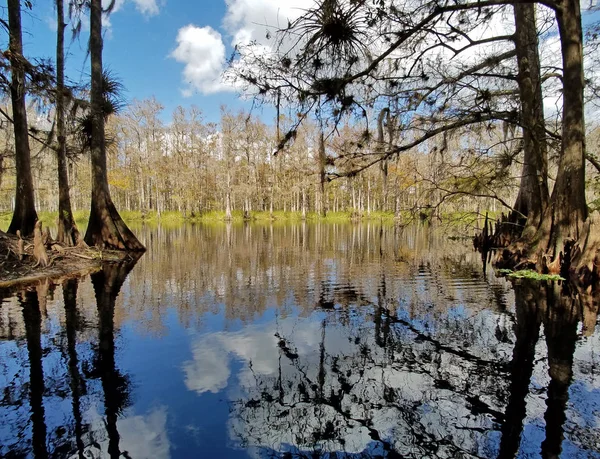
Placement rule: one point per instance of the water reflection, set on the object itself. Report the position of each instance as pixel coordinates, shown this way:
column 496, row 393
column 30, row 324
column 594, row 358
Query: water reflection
column 77, row 368
column 32, row 318
column 77, row 382
column 389, row 390
column 299, row 341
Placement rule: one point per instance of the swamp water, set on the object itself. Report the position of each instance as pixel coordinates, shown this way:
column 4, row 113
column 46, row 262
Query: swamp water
column 299, row 341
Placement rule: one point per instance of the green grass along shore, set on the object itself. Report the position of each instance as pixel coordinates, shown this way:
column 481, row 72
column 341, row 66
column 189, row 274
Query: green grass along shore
column 174, row 218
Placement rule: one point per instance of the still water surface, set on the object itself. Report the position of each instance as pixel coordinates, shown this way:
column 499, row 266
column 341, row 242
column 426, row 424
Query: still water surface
column 299, row 341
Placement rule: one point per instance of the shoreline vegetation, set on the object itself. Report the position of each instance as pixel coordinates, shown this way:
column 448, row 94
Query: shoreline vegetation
column 74, row 262
column 467, row 219
column 69, row 262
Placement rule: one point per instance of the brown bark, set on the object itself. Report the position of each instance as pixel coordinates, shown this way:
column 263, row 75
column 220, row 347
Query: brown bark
column 67, row 231
column 380, row 143
column 568, row 205
column 106, row 228
column 322, row 161
column 518, row 228
column 24, row 216
column 563, row 226
column 564, row 221
column 39, row 249
column 533, row 192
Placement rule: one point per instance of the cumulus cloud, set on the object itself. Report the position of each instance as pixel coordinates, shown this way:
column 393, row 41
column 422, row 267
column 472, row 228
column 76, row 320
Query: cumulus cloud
column 202, row 51
column 147, row 7
column 250, row 20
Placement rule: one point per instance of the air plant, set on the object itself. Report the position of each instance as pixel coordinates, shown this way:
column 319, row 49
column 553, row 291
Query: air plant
column 334, row 29
column 112, row 103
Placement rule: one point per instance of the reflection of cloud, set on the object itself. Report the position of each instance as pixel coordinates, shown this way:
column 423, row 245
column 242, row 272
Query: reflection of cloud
column 256, row 346
column 209, row 371
column 145, row 436
column 140, row 436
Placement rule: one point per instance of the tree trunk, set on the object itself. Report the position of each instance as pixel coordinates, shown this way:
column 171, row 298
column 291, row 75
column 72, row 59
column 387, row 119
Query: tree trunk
column 24, row 216
column 106, row 229
column 67, row 231
column 564, row 220
column 303, row 204
column 322, row 160
column 228, row 198
column 532, row 200
column 533, row 193
column 381, row 141
column 563, row 224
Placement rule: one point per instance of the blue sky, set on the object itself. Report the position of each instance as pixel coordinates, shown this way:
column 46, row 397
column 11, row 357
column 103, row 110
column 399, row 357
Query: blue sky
column 174, row 50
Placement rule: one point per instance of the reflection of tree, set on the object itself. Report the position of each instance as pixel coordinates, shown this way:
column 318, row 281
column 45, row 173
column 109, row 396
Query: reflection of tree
column 64, row 366
column 559, row 311
column 77, row 383
column 359, row 397
column 560, row 328
column 529, row 307
column 392, row 389
column 115, row 385
column 33, row 326
column 243, row 270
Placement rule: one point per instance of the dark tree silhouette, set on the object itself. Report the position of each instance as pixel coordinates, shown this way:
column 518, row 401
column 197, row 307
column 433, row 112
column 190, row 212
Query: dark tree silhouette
column 67, row 232
column 76, row 381
column 530, row 305
column 116, row 386
column 33, row 328
column 106, row 228
column 24, row 216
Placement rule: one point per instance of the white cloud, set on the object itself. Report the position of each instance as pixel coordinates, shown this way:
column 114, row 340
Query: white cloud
column 116, row 7
column 202, row 51
column 147, row 7
column 248, row 20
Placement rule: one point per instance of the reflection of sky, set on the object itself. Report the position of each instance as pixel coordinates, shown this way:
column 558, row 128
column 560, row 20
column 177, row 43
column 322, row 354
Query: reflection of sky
column 263, row 363
column 245, row 366
column 256, row 346
column 194, row 385
column 141, row 436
